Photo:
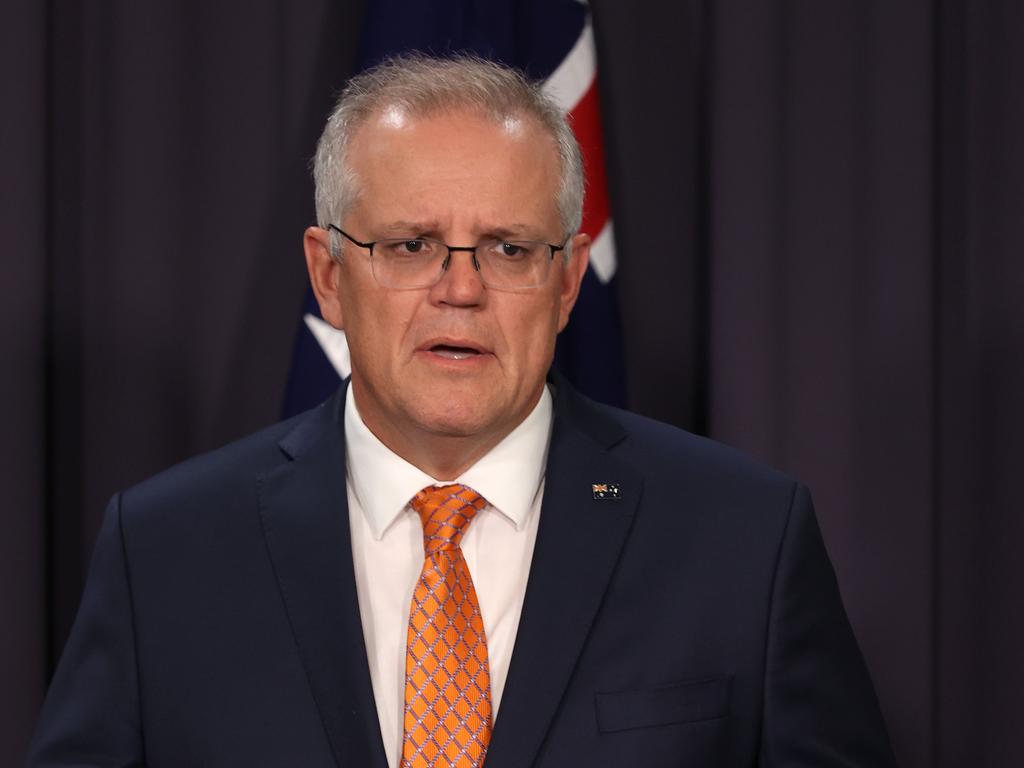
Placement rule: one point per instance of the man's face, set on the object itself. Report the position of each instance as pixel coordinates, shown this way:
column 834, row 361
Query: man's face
column 456, row 359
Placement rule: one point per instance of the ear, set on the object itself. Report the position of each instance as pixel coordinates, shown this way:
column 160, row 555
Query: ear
column 324, row 274
column 572, row 277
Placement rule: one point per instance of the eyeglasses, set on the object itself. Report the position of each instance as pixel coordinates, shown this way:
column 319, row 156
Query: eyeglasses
column 419, row 262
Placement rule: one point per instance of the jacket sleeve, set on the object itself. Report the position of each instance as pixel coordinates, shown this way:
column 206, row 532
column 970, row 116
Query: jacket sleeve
column 91, row 713
column 820, row 708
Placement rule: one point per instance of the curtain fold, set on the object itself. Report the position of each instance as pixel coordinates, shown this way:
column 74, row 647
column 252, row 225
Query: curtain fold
column 23, row 348
column 819, row 214
column 821, row 300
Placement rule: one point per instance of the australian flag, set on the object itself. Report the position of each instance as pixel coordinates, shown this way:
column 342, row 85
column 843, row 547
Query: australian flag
column 550, row 40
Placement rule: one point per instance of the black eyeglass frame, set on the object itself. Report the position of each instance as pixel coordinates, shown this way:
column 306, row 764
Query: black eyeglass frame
column 451, row 248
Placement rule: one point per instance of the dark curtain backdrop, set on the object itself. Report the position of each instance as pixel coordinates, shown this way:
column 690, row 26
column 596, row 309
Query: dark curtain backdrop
column 819, row 209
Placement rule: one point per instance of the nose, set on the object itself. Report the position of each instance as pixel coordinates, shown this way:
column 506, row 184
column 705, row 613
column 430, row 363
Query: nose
column 461, row 284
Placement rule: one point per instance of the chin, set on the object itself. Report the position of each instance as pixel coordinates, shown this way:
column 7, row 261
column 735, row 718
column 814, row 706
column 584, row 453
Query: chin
column 448, row 426
column 453, row 419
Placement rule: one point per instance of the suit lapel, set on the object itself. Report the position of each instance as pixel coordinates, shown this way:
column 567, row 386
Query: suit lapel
column 578, row 544
column 304, row 510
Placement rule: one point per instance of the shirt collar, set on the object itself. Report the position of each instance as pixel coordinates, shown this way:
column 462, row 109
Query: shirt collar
column 509, row 476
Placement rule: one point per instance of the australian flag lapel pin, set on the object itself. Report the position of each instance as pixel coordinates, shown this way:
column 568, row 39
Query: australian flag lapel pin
column 606, row 491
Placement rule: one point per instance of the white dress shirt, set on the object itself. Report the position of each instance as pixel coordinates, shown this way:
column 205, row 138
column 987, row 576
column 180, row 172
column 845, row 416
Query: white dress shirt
column 387, row 548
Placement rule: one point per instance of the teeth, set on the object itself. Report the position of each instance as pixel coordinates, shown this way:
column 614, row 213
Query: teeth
column 453, row 354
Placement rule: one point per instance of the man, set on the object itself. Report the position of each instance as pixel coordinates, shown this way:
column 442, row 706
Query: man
column 457, row 557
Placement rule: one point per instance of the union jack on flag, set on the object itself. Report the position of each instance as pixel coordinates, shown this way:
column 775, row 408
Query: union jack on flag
column 550, row 40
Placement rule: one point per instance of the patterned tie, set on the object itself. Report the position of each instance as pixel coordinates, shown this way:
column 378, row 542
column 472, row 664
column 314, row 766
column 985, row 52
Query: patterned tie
column 447, row 680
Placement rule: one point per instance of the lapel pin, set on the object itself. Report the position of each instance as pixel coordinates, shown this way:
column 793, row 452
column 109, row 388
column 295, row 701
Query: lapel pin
column 606, row 491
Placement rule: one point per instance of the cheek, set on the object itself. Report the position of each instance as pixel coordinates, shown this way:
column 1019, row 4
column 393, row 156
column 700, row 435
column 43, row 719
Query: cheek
column 378, row 327
column 396, row 322
column 531, row 332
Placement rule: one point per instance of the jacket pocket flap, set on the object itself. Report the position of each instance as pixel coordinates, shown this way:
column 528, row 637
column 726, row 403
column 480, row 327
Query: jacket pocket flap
column 677, row 703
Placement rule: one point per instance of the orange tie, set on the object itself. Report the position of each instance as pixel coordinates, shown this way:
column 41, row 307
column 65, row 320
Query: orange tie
column 447, row 682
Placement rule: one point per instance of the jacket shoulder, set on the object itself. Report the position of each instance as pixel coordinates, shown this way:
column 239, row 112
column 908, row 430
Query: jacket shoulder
column 219, row 479
column 663, row 447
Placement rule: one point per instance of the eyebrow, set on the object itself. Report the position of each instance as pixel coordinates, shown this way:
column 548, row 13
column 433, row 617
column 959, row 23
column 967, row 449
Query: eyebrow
column 401, row 228
column 410, row 228
column 515, row 231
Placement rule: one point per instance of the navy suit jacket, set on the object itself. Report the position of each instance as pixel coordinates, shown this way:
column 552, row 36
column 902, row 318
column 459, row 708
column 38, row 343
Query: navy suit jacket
column 693, row 621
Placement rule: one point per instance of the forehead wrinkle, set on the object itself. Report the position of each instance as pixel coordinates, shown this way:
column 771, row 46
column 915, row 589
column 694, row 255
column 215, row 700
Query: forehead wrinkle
column 418, row 205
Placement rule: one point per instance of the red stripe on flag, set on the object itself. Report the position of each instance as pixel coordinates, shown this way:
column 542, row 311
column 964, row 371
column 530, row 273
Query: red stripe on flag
column 586, row 123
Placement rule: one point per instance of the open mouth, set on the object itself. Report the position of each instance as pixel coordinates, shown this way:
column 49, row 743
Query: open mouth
column 450, row 352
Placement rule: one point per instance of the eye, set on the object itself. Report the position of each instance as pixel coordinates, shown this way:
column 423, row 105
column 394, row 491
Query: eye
column 398, row 248
column 512, row 250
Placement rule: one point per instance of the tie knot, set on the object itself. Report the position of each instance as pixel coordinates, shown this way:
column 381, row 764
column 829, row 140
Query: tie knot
column 445, row 511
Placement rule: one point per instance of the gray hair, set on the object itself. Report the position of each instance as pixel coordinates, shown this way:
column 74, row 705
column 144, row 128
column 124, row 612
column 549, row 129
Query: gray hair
column 421, row 85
